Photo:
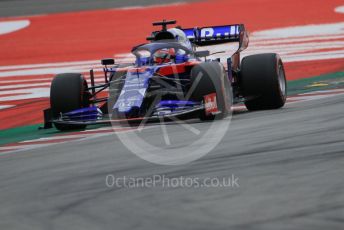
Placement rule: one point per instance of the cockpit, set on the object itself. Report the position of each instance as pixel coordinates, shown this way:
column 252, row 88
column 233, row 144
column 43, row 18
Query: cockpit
column 158, row 53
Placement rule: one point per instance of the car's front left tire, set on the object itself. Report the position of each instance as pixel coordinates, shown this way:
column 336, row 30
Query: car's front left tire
column 211, row 78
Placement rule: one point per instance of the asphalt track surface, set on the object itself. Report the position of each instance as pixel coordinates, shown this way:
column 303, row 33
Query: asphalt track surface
column 289, row 163
column 32, row 7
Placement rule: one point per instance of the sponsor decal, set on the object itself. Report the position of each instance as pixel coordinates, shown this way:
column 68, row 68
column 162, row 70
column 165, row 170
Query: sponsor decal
column 210, row 104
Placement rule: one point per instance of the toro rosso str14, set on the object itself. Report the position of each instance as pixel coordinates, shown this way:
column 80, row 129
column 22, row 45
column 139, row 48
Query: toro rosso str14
column 170, row 78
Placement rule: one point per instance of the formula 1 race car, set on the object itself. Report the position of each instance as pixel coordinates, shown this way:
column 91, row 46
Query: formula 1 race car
column 171, row 79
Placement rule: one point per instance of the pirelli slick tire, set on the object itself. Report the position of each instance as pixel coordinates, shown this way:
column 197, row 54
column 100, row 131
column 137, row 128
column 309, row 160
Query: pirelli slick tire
column 209, row 79
column 263, row 81
column 68, row 92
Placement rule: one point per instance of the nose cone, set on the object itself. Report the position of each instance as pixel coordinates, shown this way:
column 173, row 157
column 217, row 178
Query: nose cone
column 133, row 92
column 129, row 100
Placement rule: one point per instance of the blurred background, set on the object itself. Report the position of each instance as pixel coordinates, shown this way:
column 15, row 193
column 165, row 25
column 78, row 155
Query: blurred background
column 41, row 38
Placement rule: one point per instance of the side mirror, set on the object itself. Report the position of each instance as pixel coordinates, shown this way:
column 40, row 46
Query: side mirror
column 108, row 61
column 203, row 53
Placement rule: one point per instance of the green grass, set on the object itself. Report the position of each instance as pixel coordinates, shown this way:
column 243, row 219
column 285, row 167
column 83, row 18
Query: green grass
column 329, row 81
column 24, row 133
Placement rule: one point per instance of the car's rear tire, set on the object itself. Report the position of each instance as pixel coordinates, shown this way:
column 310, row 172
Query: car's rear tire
column 263, row 81
column 210, row 77
column 68, row 92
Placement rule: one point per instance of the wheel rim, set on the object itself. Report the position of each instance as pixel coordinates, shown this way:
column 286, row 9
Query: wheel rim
column 281, row 80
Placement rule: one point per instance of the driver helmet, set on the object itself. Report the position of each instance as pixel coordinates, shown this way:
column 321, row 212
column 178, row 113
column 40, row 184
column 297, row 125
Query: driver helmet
column 164, row 55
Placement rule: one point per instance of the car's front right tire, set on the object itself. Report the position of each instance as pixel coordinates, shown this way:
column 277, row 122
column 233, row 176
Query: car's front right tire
column 68, row 92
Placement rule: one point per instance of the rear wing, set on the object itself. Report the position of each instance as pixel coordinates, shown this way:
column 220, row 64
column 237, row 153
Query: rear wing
column 214, row 35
